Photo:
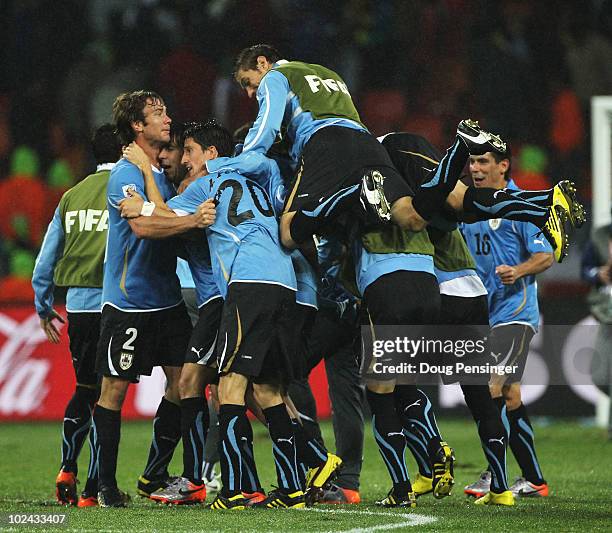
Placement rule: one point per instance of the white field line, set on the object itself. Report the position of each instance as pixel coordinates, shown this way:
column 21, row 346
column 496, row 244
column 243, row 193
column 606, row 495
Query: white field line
column 406, row 519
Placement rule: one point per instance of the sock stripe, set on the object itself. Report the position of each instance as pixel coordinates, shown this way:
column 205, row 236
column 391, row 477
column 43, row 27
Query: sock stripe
column 232, row 481
column 533, row 457
column 403, row 473
column 419, row 451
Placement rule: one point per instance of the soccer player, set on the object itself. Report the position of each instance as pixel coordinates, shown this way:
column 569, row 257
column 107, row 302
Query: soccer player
column 72, row 255
column 508, row 255
column 144, row 322
column 257, row 280
column 463, row 302
column 199, row 369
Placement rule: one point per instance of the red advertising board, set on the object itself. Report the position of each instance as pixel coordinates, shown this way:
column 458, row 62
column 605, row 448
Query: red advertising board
column 37, row 379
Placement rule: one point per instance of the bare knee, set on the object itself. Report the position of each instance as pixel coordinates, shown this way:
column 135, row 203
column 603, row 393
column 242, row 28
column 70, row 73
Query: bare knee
column 112, row 393
column 232, row 388
column 193, row 380
column 381, row 387
column 512, row 395
column 455, row 199
column 173, row 376
column 267, row 395
column 404, row 215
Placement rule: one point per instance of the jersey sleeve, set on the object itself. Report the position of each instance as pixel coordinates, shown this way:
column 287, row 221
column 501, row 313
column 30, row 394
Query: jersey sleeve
column 272, row 98
column 533, row 239
column 188, row 201
column 126, row 178
column 42, row 278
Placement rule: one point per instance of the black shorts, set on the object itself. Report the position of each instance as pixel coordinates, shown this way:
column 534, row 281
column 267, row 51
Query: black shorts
column 336, row 158
column 256, row 336
column 473, row 314
column 510, row 347
column 403, row 297
column 201, row 348
column 132, row 343
column 84, row 333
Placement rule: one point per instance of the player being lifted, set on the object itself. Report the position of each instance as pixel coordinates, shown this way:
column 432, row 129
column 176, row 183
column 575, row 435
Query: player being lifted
column 334, row 154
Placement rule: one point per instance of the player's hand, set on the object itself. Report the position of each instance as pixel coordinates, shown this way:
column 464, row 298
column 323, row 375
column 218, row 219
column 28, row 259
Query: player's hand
column 131, row 206
column 206, row 214
column 47, row 325
column 135, row 154
column 507, row 274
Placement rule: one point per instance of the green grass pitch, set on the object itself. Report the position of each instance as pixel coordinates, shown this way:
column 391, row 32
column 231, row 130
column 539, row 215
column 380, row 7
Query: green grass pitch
column 576, row 462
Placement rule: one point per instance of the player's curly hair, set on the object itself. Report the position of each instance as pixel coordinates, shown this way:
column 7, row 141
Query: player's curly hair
column 128, row 108
column 247, row 58
column 210, row 133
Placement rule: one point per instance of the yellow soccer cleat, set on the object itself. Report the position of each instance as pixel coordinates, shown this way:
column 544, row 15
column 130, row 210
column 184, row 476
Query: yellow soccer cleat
column 564, row 195
column 229, row 503
column 422, row 485
column 398, row 500
column 555, row 233
column 281, row 499
column 492, row 498
column 327, row 471
column 443, row 475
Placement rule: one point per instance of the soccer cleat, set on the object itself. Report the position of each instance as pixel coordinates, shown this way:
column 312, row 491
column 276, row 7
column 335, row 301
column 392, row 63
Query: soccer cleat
column 228, row 503
column 396, row 500
column 327, row 471
column 443, row 477
column 112, row 497
column 372, row 196
column 180, row 492
column 146, row 487
column 524, row 488
column 480, row 487
column 554, row 231
column 422, row 485
column 65, row 488
column 339, row 495
column 492, row 498
column 477, row 140
column 281, row 499
column 564, row 195
column 254, row 497
column 87, row 500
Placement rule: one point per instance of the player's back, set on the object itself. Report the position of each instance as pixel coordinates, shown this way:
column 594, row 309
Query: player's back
column 244, row 240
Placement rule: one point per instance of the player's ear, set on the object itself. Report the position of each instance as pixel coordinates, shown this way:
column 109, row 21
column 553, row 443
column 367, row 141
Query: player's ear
column 137, row 126
column 213, row 152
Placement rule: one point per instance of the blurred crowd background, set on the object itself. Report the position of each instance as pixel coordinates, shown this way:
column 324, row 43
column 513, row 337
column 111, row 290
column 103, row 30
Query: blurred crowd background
column 525, row 69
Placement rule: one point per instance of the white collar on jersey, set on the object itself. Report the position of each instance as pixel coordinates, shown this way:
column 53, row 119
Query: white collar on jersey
column 105, row 166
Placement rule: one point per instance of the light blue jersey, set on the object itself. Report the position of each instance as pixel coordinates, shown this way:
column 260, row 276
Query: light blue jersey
column 244, row 241
column 139, row 274
column 195, row 271
column 507, row 242
column 265, row 171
